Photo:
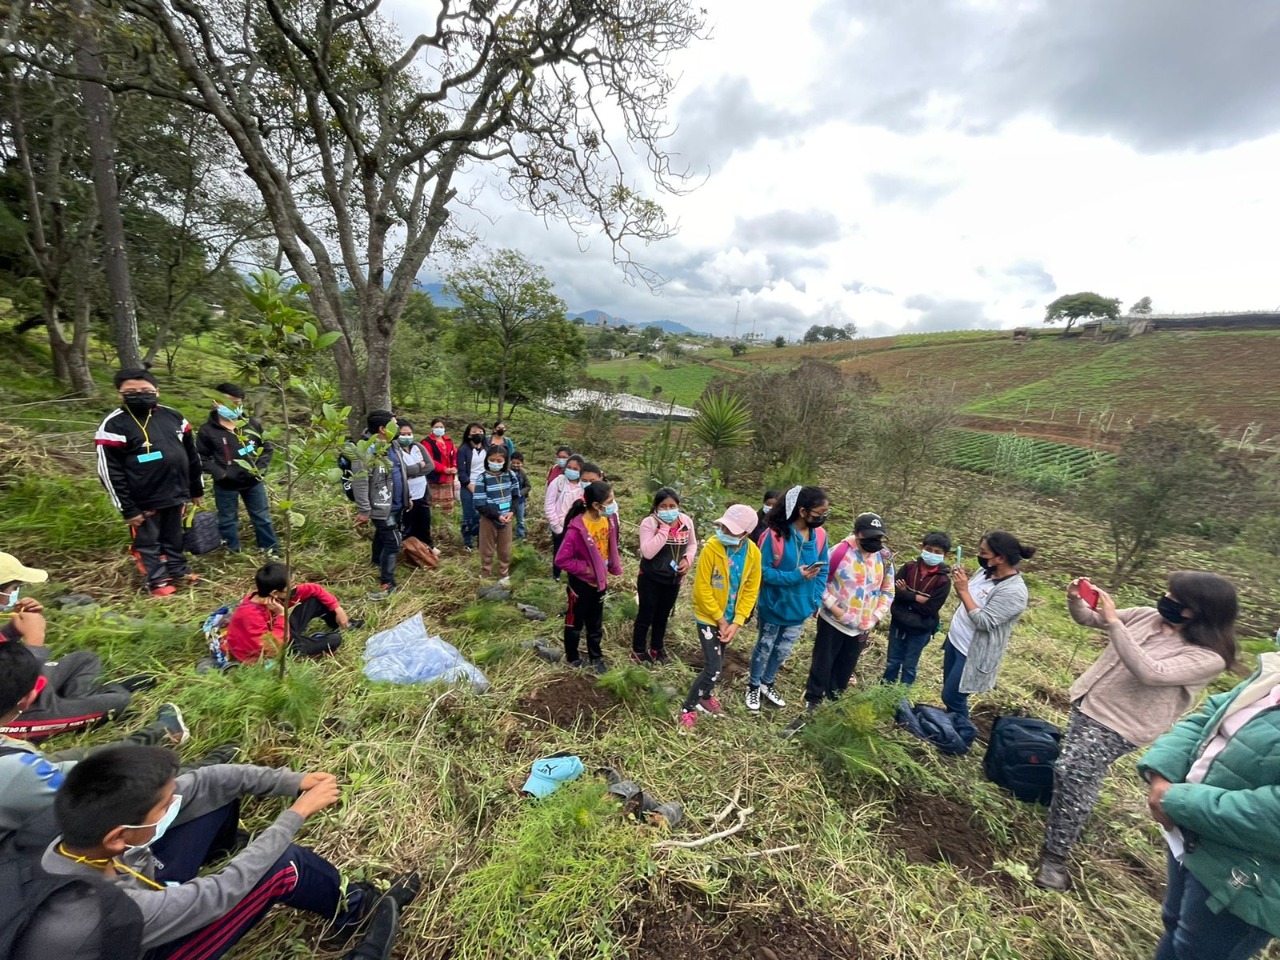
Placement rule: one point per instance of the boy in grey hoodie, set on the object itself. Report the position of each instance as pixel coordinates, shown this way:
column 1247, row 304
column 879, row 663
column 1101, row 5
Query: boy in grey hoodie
column 129, row 816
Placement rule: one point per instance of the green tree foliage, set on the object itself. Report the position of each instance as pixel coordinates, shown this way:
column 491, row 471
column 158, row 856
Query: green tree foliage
column 737, row 348
column 1170, row 476
column 1074, row 307
column 829, row 333
column 723, row 423
column 908, row 437
column 791, row 402
column 1141, row 308
column 511, row 328
column 779, row 341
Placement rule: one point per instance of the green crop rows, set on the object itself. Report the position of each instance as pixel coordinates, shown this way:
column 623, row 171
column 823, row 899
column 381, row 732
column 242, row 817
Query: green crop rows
column 1051, row 468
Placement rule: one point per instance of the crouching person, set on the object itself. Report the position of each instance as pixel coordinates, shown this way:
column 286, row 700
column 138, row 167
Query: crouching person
column 257, row 625
column 127, row 816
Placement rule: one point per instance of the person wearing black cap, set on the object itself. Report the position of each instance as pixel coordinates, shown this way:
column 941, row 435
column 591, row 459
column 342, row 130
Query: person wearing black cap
column 149, row 465
column 234, row 453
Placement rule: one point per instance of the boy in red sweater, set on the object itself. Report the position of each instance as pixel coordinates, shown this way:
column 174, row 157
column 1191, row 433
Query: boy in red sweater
column 257, row 625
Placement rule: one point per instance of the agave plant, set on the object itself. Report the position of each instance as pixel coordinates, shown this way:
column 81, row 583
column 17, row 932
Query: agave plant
column 723, row 423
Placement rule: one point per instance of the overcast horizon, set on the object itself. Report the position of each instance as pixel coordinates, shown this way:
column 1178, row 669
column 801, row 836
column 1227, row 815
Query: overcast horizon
column 914, row 166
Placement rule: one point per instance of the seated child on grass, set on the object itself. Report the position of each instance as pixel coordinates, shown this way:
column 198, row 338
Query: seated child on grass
column 257, row 625
column 129, row 816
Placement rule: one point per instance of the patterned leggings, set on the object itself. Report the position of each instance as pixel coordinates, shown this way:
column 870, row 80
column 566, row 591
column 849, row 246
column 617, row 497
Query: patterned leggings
column 1087, row 752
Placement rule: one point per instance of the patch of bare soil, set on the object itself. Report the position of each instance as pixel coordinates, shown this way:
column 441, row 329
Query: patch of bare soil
column 984, row 717
column 1148, row 877
column 688, row 932
column 567, row 701
column 929, row 829
column 1054, row 697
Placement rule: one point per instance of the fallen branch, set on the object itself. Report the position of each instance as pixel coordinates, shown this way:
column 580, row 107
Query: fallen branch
column 690, row 844
column 733, row 805
column 762, row 853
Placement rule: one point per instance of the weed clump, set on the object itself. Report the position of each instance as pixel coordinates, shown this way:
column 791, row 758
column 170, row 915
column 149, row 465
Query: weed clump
column 847, row 738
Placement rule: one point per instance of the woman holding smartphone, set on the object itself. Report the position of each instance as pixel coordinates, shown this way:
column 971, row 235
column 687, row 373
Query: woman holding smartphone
column 1157, row 661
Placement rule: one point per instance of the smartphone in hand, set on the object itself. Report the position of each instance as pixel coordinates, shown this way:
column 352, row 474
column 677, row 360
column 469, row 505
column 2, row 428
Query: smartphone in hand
column 1088, row 593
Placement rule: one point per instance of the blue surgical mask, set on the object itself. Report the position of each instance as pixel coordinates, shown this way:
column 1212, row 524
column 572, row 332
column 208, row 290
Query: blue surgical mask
column 931, row 559
column 668, row 516
column 229, row 413
column 497, row 465
column 610, row 509
column 572, row 475
column 437, row 431
column 561, row 461
column 13, row 598
column 732, row 543
column 161, row 825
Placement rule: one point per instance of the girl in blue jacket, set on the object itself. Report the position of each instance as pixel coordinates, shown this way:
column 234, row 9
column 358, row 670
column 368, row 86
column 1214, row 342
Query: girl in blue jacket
column 793, row 570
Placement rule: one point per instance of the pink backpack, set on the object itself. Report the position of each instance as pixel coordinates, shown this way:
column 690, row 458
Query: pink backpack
column 779, row 547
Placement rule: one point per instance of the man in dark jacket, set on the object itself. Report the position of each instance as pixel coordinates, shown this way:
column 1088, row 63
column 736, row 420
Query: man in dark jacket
column 148, row 463
column 922, row 588
column 235, row 454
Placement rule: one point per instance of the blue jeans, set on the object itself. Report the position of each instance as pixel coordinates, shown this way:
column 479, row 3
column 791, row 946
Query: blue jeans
column 772, row 647
column 255, row 502
column 518, row 508
column 470, row 518
column 905, row 647
column 957, row 703
column 1194, row 932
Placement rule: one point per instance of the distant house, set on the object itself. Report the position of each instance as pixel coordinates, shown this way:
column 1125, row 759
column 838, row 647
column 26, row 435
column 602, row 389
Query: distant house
column 628, row 406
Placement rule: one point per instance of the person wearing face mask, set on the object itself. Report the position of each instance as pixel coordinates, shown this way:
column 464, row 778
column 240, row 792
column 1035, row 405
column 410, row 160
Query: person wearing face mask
column 858, row 592
column 237, row 456
column 495, row 501
column 471, row 457
column 500, row 436
column 444, row 466
column 417, row 505
column 129, row 816
column 150, row 467
column 562, row 493
column 1156, row 662
column 588, row 554
column 668, row 546
column 726, row 586
column 920, row 591
column 771, row 498
column 991, row 603
column 563, row 453
column 380, row 486
column 794, row 560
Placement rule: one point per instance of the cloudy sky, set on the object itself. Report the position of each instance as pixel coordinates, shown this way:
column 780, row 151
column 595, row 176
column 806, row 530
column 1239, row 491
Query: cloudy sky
column 950, row 164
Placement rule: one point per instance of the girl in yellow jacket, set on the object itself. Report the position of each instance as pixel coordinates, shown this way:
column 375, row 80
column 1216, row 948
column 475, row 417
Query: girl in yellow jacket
column 726, row 586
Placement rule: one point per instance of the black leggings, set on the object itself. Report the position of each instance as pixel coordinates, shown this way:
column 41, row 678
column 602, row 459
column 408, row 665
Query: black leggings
column 585, row 612
column 835, row 656
column 713, row 663
column 657, row 600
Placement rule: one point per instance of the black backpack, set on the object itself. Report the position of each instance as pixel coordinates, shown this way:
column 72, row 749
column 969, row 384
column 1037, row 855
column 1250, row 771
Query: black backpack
column 28, row 887
column 201, row 534
column 1020, row 756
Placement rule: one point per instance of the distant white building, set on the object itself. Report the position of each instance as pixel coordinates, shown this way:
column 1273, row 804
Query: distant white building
column 628, row 406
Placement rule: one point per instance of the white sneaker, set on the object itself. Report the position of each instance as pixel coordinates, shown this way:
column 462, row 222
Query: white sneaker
column 505, row 583
column 753, row 700
column 771, row 695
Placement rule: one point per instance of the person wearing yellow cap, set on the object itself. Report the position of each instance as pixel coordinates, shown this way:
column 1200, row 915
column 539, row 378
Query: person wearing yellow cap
column 70, row 692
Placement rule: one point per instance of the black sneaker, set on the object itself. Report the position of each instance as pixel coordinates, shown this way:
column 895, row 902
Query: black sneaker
column 643, row 659
column 223, row 753
column 403, row 890
column 659, row 657
column 796, row 725
column 577, row 664
column 355, row 623
column 380, row 936
column 170, row 717
column 599, row 666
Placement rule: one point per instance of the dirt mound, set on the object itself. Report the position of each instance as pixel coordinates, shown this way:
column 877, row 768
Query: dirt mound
column 984, row 717
column 931, row 829
column 687, row 933
column 567, row 701
column 1053, row 696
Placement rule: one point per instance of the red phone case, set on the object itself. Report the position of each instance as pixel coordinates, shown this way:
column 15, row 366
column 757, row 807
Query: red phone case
column 1089, row 594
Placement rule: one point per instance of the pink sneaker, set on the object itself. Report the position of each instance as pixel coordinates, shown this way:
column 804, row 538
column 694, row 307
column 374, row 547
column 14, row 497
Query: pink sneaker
column 712, row 706
column 688, row 720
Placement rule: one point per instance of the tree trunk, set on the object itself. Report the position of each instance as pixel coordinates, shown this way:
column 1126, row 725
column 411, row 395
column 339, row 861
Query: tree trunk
column 377, row 376
column 502, row 382
column 70, row 357
column 97, row 110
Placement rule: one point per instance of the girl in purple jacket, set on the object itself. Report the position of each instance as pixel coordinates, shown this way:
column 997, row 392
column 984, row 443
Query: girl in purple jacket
column 588, row 554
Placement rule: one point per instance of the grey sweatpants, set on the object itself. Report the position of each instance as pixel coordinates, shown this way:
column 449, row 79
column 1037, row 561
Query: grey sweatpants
column 1088, row 749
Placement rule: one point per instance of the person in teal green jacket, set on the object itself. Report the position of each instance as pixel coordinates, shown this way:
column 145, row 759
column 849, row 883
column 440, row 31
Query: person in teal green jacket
column 1215, row 789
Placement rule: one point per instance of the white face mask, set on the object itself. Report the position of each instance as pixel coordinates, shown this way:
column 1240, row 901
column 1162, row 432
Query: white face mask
column 13, row 599
column 161, row 825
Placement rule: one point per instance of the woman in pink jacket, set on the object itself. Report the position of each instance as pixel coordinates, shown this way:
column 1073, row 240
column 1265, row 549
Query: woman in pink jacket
column 588, row 554
column 668, row 546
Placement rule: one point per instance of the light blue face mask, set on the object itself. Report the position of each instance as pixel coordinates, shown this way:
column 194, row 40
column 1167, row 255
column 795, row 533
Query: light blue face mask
column 497, row 465
column 13, row 598
column 733, row 543
column 228, row 413
column 437, row 431
column 931, row 559
column 161, row 825
column 610, row 509
column 668, row 516
column 561, row 461
column 571, row 474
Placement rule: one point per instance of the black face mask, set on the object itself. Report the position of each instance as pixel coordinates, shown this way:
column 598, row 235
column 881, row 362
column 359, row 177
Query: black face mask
column 498, row 433
column 817, row 521
column 140, row 402
column 984, row 563
column 871, row 544
column 1171, row 611
column 477, row 438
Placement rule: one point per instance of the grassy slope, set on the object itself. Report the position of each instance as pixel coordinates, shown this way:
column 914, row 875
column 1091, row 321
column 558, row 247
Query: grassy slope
column 433, row 773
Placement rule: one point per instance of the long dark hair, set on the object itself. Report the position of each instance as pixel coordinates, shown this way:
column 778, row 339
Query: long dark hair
column 1004, row 544
column 780, row 521
column 1213, row 601
column 466, row 434
column 595, row 492
column 665, row 493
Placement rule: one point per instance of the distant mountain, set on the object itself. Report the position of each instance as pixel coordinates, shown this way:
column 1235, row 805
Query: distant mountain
column 438, row 295
column 597, row 318
column 594, row 317
column 668, row 326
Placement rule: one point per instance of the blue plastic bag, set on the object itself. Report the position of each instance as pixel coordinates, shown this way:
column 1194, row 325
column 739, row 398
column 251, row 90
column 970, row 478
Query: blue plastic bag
column 405, row 654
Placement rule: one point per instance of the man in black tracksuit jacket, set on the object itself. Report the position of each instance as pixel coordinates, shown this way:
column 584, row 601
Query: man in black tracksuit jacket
column 147, row 461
